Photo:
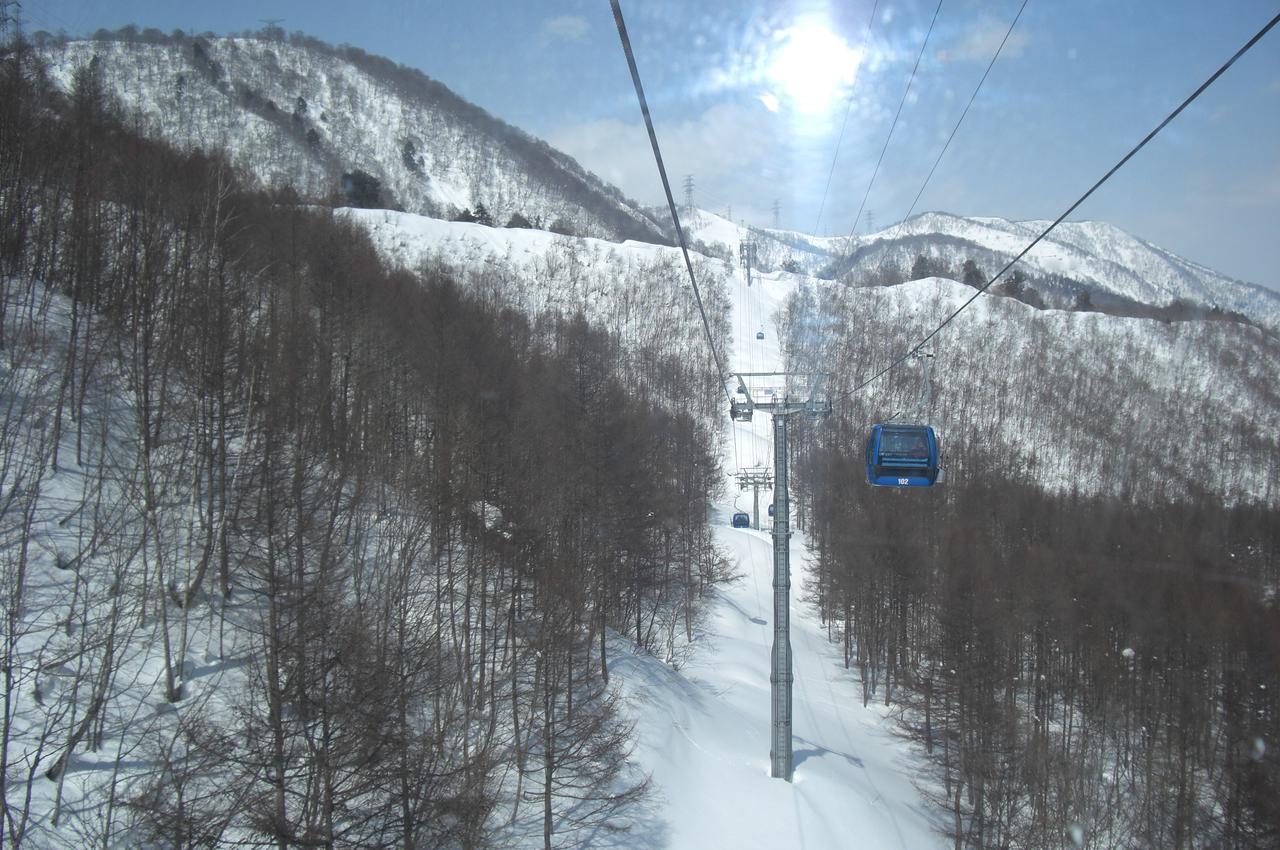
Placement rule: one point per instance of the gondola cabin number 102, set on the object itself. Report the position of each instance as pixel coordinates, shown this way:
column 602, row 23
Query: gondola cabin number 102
column 902, row 456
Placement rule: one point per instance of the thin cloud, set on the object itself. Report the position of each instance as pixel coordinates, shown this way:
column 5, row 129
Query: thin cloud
column 566, row 28
column 1259, row 190
column 979, row 44
column 724, row 141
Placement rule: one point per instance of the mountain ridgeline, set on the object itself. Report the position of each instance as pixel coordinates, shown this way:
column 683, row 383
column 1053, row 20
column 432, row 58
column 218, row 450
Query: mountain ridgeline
column 1088, row 265
column 339, row 124
column 342, row 126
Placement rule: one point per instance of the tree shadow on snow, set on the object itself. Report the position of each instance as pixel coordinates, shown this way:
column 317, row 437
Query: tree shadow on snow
column 726, row 599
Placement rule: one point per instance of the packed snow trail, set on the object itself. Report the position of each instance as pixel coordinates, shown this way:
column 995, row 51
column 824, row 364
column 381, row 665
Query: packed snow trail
column 703, row 731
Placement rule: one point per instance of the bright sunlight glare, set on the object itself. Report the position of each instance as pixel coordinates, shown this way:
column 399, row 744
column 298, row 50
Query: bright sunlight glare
column 811, row 65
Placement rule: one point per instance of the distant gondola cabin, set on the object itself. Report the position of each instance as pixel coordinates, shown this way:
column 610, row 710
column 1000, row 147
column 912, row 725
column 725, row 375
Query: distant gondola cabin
column 902, row 456
column 741, row 520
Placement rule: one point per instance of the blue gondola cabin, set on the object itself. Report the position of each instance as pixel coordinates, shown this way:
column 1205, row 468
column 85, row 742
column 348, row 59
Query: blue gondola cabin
column 741, row 520
column 902, row 456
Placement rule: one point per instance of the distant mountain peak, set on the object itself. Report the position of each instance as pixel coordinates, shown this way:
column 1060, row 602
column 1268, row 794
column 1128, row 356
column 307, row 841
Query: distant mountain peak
column 1079, row 259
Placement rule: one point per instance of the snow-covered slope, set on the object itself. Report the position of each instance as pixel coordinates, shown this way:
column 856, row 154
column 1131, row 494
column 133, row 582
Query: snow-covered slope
column 638, row 291
column 702, row 723
column 702, row 730
column 1091, row 256
column 1118, row 272
column 302, row 113
column 1135, row 408
column 1002, row 367
column 774, row 249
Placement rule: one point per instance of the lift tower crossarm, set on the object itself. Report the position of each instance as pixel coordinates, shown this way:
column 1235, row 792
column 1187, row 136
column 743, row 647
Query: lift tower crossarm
column 755, row 478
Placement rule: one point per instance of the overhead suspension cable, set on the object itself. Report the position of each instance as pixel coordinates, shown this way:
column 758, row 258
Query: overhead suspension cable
column 897, row 228
column 666, row 187
column 896, row 116
column 866, row 36
column 972, row 97
column 1125, row 159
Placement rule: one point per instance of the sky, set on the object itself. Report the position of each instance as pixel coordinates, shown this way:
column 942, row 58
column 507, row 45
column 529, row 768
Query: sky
column 788, row 104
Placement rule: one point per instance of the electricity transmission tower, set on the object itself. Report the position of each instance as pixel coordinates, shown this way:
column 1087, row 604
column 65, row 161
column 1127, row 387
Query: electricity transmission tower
column 271, row 28
column 10, row 18
column 777, row 213
column 688, row 194
column 782, row 394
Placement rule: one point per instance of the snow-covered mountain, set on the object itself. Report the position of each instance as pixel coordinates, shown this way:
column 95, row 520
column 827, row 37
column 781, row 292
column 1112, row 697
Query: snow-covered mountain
column 786, row 250
column 1061, row 397
column 1113, row 267
column 1088, row 264
column 323, row 120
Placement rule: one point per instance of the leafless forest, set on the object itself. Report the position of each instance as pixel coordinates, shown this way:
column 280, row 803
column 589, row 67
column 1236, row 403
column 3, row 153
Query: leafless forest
column 1080, row 627
column 395, row 520
column 299, row 549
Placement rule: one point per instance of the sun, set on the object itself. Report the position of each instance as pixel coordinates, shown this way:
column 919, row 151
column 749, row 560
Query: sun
column 811, row 66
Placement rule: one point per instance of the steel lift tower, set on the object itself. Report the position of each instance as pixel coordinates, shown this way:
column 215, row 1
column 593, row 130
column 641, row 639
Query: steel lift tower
column 755, row 478
column 783, row 395
column 748, row 254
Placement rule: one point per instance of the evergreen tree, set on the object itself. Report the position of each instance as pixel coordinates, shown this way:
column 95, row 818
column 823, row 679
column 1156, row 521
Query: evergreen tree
column 362, row 189
column 972, row 275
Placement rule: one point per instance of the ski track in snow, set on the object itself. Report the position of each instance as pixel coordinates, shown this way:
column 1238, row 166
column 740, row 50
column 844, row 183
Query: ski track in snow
column 703, row 731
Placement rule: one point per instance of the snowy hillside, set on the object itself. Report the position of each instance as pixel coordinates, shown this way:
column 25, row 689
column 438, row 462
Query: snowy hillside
column 703, row 729
column 999, row 349
column 301, row 113
column 1077, row 401
column 775, row 249
column 1077, row 256
column 700, row 710
column 1090, row 263
column 304, row 114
